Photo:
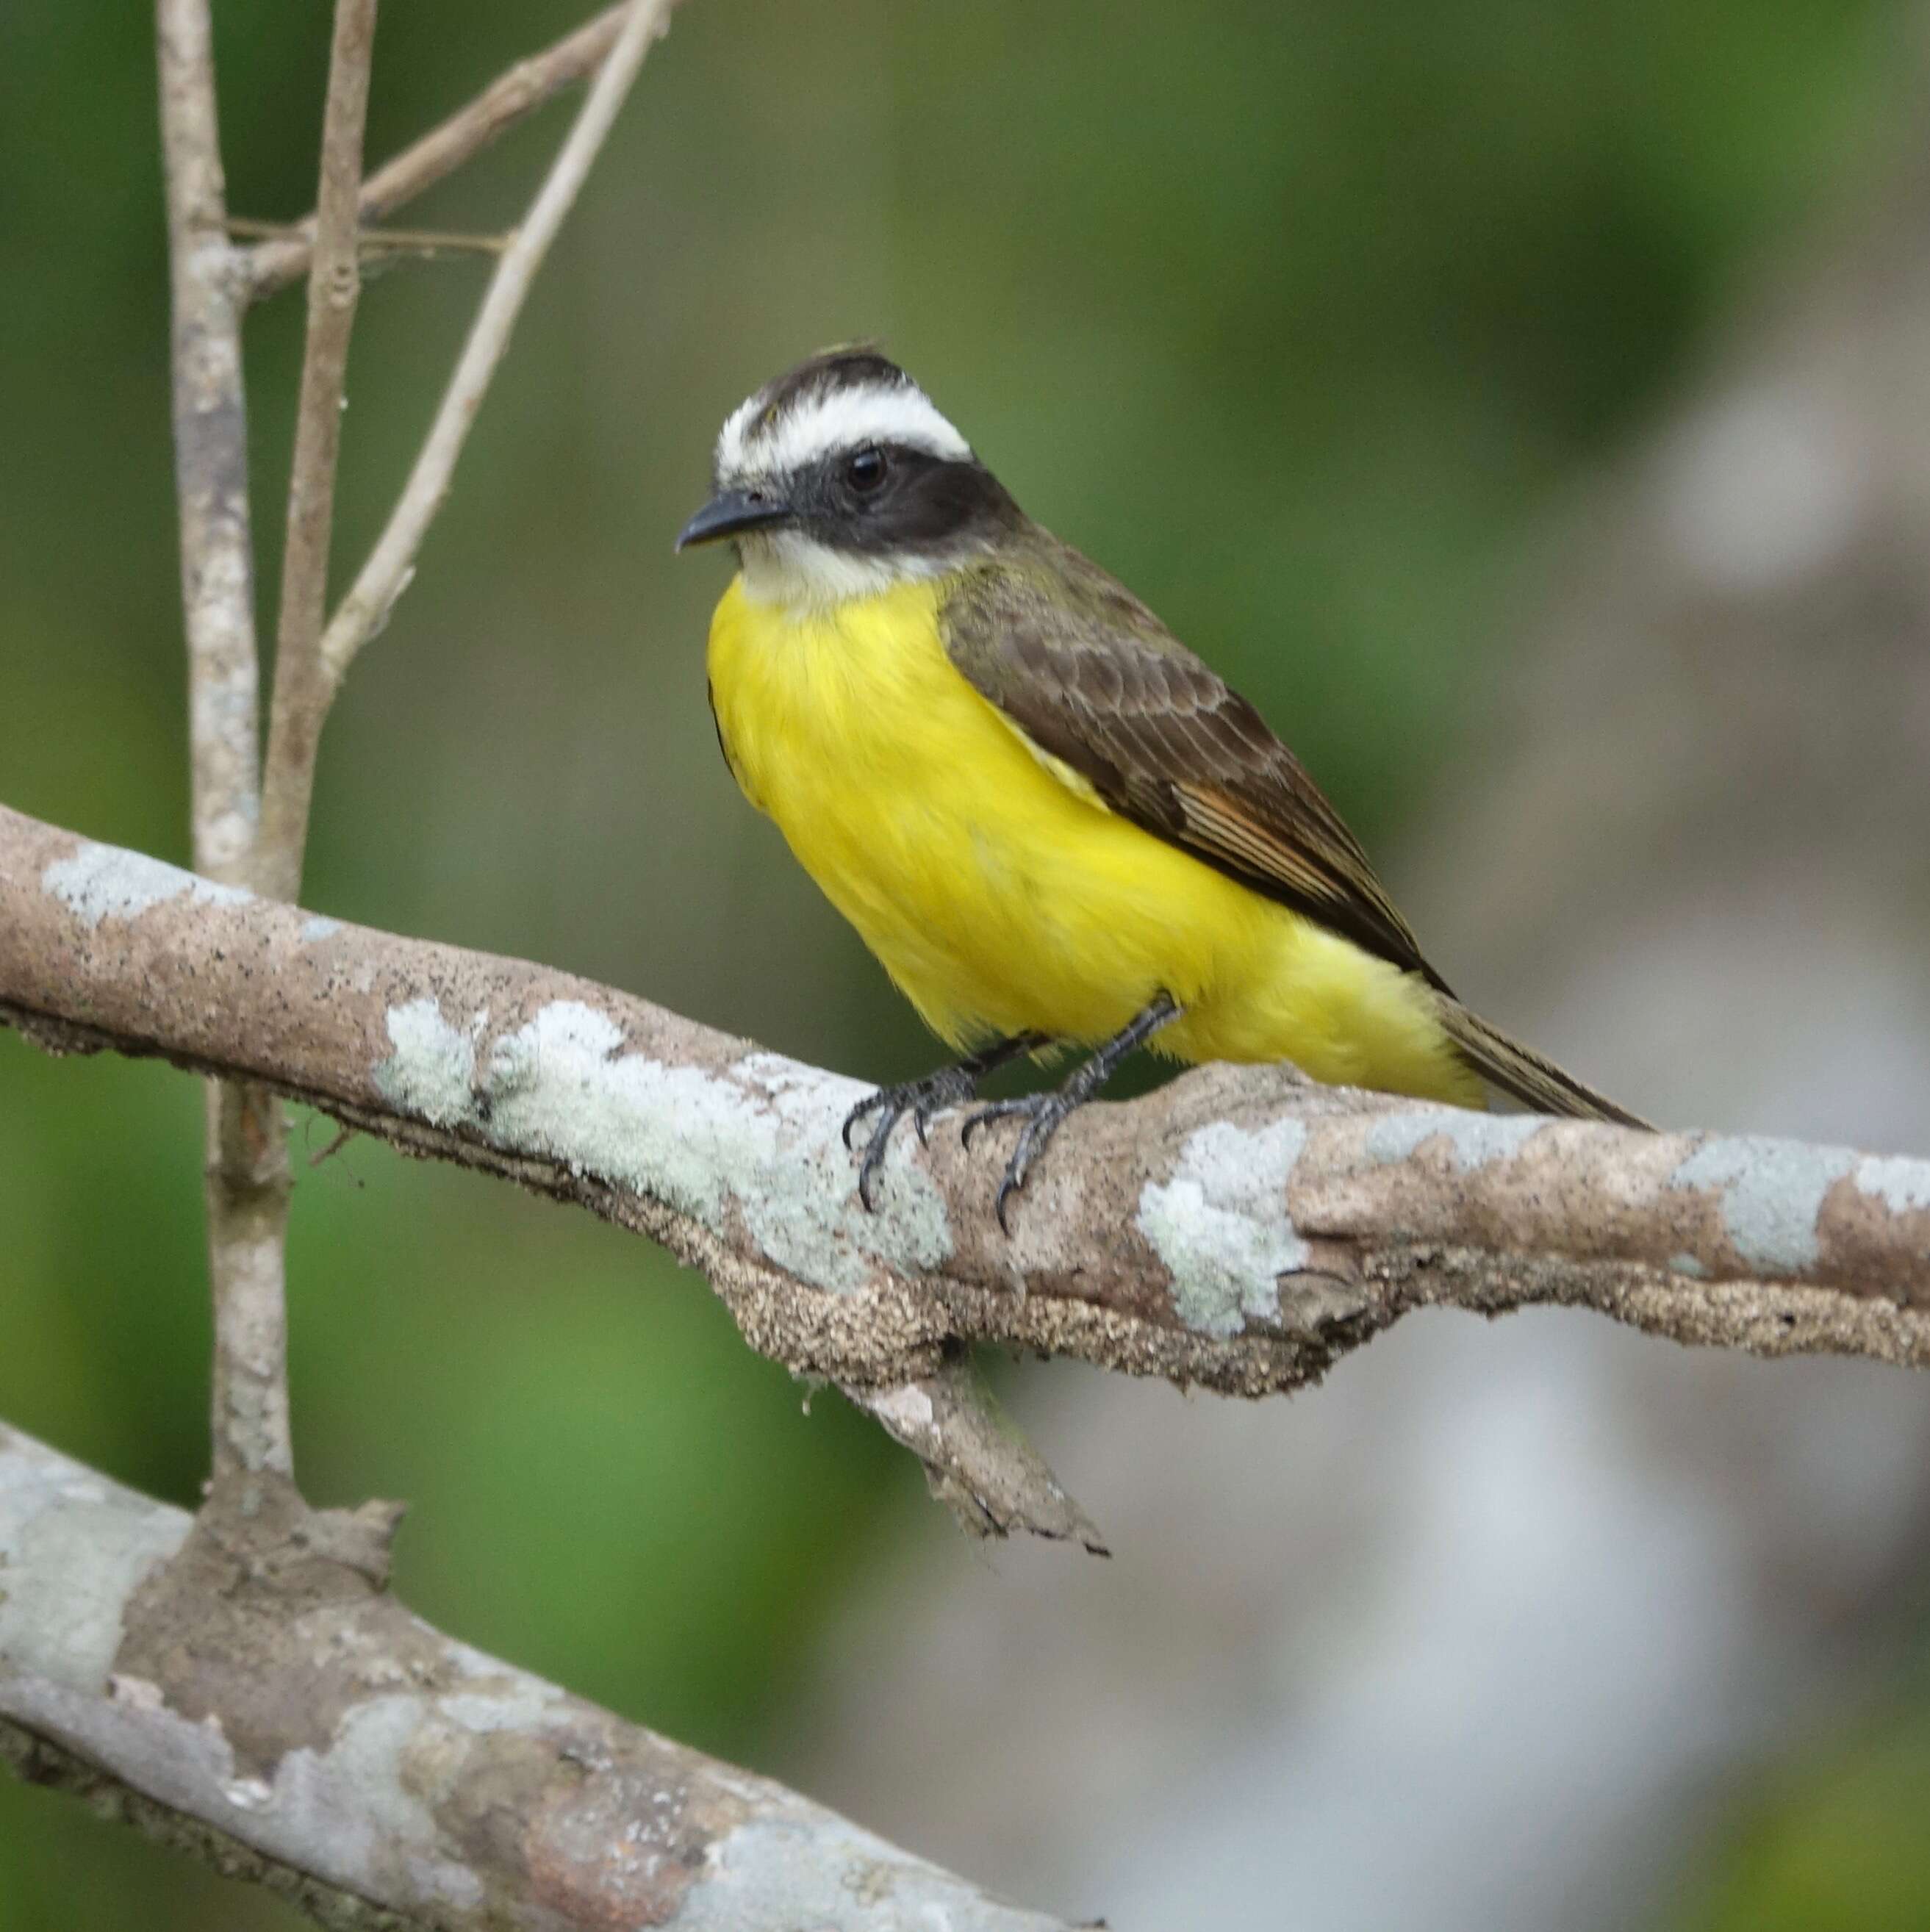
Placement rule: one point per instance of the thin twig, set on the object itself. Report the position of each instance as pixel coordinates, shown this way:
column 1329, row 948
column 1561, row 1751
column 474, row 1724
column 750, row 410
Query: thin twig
column 246, row 1180
column 392, row 563
column 507, row 100
column 429, row 242
column 302, row 689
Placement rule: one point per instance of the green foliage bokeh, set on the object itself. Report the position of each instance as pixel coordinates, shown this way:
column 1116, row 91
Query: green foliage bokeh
column 1295, row 316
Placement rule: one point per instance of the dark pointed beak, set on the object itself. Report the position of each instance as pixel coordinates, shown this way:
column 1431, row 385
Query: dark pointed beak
column 731, row 512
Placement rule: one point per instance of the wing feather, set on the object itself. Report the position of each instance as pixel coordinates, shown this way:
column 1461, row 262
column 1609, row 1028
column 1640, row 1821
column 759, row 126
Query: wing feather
column 1087, row 674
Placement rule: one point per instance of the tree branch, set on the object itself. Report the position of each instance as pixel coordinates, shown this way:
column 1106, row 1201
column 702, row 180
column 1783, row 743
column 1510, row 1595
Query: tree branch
column 264, row 1705
column 210, row 452
column 392, row 563
column 526, row 87
column 302, row 688
column 1242, row 1228
column 246, row 1182
column 243, row 830
column 377, row 242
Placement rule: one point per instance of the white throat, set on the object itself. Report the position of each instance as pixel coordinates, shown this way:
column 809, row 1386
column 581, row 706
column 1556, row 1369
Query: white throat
column 788, row 568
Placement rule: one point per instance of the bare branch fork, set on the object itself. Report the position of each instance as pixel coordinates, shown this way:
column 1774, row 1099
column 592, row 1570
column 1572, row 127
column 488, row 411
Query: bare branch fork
column 251, row 821
column 526, row 87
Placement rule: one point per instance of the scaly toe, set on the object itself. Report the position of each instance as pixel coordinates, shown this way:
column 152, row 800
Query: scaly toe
column 994, row 1110
column 1044, row 1114
column 873, row 1163
column 869, row 1104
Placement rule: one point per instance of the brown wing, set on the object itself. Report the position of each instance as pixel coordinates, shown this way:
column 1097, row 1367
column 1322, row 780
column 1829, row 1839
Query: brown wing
column 1093, row 678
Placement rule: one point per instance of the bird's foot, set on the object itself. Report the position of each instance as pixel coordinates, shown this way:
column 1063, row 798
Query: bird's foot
column 923, row 1100
column 1041, row 1115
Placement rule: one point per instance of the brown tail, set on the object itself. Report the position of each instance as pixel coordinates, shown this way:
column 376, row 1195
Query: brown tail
column 1523, row 1075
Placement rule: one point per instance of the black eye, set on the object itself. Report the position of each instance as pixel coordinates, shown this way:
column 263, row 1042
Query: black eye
column 865, row 471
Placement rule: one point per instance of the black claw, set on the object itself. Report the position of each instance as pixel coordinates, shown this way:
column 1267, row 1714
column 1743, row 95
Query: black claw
column 922, row 1100
column 869, row 1104
column 873, row 1164
column 994, row 1110
column 887, row 1101
column 925, row 1100
column 1042, row 1114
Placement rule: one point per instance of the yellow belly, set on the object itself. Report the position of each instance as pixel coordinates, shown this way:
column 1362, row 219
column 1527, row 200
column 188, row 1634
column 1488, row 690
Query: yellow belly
column 1001, row 900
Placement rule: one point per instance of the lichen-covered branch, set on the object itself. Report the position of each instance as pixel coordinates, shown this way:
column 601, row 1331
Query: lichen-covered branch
column 249, row 1694
column 1241, row 1228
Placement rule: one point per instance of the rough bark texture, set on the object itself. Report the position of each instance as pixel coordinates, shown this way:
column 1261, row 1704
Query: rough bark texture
column 247, row 1180
column 253, row 1696
column 1242, row 1228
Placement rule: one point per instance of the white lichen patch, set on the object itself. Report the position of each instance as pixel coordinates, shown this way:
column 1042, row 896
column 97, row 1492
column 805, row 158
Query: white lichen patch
column 907, row 1407
column 1221, row 1226
column 431, row 1074
column 1473, row 1139
column 101, row 882
column 354, row 1812
column 1900, row 1184
column 1771, row 1192
column 72, row 1549
column 761, row 1140
column 1688, row 1265
column 517, row 1704
column 319, row 926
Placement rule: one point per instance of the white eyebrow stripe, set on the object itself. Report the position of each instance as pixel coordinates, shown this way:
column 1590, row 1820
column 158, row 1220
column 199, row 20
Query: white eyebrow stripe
column 836, row 419
column 731, row 438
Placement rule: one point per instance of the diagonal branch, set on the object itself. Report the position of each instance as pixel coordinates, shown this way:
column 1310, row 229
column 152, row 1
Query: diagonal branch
column 512, row 96
column 392, row 563
column 1242, row 1227
column 291, row 1723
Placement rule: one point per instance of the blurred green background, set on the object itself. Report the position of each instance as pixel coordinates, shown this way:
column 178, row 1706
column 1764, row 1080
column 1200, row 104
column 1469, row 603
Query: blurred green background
column 1295, row 316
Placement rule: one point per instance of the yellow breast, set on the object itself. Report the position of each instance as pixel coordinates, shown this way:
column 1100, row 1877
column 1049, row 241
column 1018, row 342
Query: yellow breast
column 999, row 892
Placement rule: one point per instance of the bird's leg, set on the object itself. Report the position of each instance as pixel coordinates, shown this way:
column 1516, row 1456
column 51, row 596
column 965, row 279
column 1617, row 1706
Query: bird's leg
column 950, row 1086
column 1043, row 1114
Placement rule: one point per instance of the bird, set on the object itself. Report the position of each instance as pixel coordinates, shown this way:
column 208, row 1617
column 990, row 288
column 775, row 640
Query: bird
column 1055, row 826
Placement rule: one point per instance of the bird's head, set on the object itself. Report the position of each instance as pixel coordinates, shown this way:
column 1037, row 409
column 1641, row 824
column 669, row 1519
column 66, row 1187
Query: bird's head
column 841, row 479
